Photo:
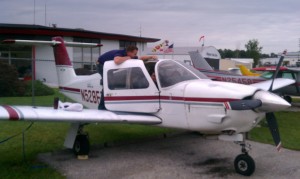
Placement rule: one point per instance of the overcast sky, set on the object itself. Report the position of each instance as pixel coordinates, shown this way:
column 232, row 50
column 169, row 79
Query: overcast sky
column 225, row 23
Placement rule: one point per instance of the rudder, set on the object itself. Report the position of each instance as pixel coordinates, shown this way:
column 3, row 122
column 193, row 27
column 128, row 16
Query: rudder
column 64, row 67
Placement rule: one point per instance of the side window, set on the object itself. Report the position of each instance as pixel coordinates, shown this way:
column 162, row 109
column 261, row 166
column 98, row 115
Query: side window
column 287, row 75
column 127, row 78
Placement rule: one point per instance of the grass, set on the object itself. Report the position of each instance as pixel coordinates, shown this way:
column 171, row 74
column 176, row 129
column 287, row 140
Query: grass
column 47, row 137
column 296, row 100
column 289, row 128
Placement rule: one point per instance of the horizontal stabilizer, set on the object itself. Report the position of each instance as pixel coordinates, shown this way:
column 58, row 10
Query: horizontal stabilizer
column 52, row 42
column 29, row 113
column 278, row 83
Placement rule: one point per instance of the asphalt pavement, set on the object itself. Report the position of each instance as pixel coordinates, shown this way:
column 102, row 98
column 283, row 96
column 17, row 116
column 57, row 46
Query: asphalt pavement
column 185, row 155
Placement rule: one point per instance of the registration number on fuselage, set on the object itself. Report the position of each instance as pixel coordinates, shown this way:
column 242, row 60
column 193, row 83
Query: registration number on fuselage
column 90, row 96
column 238, row 80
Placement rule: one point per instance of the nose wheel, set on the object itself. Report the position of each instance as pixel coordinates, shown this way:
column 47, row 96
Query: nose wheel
column 244, row 163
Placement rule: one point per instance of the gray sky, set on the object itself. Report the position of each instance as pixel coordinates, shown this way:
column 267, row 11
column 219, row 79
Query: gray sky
column 225, row 23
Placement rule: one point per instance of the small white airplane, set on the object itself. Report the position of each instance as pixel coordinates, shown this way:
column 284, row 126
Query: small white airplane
column 182, row 97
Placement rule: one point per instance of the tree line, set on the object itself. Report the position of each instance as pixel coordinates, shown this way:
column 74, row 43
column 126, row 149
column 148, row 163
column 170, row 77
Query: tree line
column 253, row 50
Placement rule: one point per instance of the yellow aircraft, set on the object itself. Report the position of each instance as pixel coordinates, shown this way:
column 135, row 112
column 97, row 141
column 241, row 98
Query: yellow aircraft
column 246, row 72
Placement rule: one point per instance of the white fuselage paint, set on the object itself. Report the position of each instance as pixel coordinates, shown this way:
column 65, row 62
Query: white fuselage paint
column 195, row 105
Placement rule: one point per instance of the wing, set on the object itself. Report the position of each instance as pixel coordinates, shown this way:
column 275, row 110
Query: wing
column 278, row 83
column 29, row 113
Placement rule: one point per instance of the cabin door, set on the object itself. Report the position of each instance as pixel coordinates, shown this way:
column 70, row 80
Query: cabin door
column 128, row 87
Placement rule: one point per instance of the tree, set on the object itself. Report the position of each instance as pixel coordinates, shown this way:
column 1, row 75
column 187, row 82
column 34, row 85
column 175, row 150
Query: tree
column 9, row 82
column 243, row 54
column 273, row 55
column 253, row 50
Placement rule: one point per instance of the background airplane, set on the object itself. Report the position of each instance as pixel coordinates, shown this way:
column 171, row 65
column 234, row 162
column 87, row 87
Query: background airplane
column 246, row 72
column 180, row 97
column 284, row 72
column 286, row 91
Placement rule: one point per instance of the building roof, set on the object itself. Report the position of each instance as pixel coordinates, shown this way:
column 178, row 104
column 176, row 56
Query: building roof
column 27, row 29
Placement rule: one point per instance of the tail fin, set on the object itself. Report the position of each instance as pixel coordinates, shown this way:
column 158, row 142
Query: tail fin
column 246, row 72
column 64, row 67
column 60, row 53
column 199, row 62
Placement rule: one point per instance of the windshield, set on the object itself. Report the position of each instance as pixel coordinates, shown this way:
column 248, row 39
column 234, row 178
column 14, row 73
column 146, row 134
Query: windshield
column 172, row 72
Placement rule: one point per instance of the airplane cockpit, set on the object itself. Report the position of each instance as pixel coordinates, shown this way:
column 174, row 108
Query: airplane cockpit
column 133, row 81
column 171, row 72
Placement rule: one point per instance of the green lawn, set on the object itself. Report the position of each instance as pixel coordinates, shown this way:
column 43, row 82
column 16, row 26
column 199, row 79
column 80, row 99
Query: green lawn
column 289, row 128
column 296, row 100
column 47, row 137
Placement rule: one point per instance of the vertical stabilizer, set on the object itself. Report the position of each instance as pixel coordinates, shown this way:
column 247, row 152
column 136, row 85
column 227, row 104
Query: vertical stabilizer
column 199, row 62
column 246, row 72
column 64, row 67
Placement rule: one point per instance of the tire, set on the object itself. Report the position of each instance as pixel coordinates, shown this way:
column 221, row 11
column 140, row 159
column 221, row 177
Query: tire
column 244, row 165
column 81, row 145
column 288, row 99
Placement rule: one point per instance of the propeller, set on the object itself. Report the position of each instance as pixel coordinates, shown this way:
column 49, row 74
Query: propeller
column 277, row 69
column 271, row 119
column 272, row 123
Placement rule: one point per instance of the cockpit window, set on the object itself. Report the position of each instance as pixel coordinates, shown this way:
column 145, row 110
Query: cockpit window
column 193, row 70
column 127, row 78
column 173, row 72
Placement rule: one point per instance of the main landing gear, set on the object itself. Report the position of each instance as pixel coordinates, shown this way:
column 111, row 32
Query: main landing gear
column 81, row 145
column 243, row 163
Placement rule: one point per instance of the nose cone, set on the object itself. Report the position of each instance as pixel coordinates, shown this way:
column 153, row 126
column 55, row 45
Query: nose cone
column 270, row 102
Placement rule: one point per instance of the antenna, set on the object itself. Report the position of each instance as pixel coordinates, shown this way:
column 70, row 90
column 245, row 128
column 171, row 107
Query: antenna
column 141, row 45
column 299, row 50
column 34, row 12
column 238, row 46
column 45, row 13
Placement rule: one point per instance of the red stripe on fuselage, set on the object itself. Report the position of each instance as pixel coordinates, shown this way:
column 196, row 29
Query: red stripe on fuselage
column 211, row 99
column 13, row 115
column 70, row 89
column 126, row 98
column 175, row 98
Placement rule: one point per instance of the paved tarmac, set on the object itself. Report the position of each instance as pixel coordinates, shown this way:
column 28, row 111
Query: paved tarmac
column 185, row 155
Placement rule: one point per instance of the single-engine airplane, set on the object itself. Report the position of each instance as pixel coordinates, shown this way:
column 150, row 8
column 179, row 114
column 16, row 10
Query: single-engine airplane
column 293, row 89
column 182, row 97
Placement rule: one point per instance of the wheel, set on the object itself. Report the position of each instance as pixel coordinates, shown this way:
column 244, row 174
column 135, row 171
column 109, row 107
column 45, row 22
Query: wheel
column 81, row 145
column 288, row 99
column 244, row 165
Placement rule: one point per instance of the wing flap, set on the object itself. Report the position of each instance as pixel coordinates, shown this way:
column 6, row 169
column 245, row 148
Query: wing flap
column 278, row 83
column 29, row 113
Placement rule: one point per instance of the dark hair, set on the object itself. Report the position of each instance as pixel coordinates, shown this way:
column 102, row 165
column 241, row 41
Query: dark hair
column 131, row 48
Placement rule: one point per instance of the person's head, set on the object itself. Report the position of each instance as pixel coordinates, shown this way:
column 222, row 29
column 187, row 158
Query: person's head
column 153, row 77
column 132, row 51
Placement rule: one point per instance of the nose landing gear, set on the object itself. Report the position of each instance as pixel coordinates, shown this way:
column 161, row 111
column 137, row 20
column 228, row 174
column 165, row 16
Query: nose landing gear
column 244, row 163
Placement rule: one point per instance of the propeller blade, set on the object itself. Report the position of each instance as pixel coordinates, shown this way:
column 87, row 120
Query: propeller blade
column 272, row 123
column 277, row 69
column 243, row 104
